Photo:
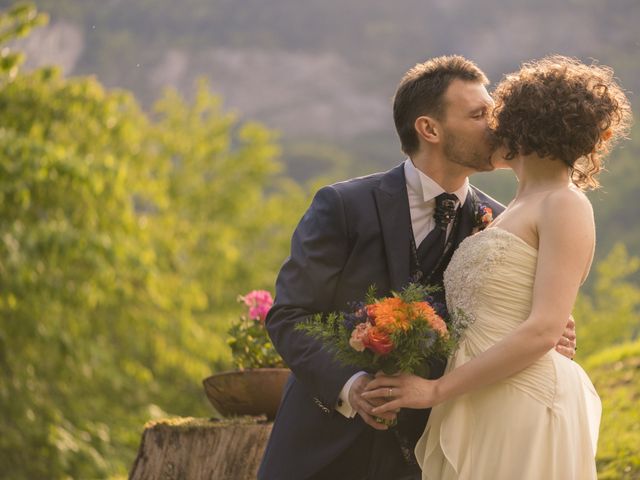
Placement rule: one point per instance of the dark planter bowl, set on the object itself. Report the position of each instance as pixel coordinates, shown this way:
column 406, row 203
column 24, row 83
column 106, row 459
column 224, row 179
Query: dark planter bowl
column 247, row 392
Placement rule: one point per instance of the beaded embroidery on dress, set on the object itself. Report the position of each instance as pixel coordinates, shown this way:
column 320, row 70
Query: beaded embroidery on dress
column 540, row 423
column 467, row 269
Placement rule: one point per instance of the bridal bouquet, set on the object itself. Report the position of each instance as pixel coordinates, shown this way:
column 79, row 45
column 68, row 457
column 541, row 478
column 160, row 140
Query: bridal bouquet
column 393, row 334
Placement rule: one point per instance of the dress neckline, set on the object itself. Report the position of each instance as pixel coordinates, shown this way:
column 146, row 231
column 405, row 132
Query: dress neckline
column 511, row 234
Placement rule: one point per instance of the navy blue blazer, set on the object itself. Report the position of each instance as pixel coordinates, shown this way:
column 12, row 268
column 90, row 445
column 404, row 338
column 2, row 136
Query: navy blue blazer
column 355, row 233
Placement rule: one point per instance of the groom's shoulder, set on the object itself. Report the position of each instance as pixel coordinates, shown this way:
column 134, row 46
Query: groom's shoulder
column 355, row 196
column 495, row 205
column 362, row 184
column 358, row 184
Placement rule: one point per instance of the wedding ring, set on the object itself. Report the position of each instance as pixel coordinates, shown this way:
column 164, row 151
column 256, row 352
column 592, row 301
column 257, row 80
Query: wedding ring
column 390, row 393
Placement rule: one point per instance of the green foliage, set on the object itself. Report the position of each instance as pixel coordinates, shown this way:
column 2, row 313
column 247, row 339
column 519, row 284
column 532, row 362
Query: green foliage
column 123, row 239
column 370, row 296
column 615, row 203
column 251, row 346
column 318, row 160
column 610, row 314
column 615, row 373
column 75, row 264
column 15, row 23
column 415, row 292
column 331, row 330
column 605, row 318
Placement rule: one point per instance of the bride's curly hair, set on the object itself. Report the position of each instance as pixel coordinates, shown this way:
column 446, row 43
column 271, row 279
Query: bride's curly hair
column 561, row 108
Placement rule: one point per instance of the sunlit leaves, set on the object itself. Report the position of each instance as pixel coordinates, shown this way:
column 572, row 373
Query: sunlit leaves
column 124, row 241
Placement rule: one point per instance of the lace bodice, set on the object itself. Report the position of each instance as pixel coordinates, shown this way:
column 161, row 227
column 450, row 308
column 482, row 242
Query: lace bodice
column 491, row 272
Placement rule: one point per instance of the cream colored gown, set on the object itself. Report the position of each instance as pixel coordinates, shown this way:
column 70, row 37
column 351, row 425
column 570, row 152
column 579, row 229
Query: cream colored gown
column 540, row 424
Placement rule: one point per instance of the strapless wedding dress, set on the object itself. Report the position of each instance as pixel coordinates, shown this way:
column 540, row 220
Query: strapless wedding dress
column 540, row 424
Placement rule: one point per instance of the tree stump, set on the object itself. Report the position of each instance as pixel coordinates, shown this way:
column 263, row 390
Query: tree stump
column 195, row 448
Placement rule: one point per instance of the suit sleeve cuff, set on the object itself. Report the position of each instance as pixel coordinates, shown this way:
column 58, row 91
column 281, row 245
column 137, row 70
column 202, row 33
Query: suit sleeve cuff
column 342, row 405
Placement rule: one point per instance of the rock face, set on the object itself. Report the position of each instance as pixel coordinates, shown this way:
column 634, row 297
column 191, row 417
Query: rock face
column 61, row 43
column 296, row 92
column 326, row 70
column 193, row 449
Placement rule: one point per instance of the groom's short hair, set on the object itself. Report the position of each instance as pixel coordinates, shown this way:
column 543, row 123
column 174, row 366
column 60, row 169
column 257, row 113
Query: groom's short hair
column 421, row 92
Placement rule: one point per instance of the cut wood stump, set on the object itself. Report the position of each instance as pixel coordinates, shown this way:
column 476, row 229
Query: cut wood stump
column 198, row 448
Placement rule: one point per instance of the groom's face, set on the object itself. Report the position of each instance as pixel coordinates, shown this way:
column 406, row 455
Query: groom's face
column 466, row 139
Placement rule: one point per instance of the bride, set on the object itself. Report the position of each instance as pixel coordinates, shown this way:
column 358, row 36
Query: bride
column 509, row 405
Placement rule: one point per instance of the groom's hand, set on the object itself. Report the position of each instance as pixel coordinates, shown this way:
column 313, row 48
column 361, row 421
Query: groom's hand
column 567, row 343
column 364, row 406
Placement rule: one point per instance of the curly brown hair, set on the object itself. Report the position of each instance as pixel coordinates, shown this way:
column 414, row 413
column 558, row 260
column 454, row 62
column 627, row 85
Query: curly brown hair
column 560, row 108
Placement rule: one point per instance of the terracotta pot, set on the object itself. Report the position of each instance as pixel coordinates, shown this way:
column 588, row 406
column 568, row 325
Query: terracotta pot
column 247, row 392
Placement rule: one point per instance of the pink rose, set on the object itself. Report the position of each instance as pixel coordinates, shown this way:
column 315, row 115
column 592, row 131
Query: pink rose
column 358, row 336
column 259, row 303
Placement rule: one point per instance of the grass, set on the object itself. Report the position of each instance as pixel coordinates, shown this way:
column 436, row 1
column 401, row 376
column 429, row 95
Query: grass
column 615, row 373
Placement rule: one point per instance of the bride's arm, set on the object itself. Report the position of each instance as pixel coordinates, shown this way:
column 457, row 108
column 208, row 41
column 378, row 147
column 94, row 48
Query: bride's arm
column 566, row 239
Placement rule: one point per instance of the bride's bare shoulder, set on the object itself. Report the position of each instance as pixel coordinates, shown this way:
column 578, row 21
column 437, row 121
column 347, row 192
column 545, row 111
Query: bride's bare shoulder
column 567, row 208
column 570, row 197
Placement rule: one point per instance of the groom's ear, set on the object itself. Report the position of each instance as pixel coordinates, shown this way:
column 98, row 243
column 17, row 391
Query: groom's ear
column 428, row 128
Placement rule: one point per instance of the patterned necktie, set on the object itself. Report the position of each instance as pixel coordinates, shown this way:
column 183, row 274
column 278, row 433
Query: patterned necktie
column 432, row 247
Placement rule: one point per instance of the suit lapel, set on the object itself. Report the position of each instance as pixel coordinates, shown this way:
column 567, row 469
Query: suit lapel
column 395, row 223
column 467, row 219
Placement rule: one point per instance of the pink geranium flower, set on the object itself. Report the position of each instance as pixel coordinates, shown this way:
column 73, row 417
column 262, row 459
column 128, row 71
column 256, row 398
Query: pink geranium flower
column 259, row 303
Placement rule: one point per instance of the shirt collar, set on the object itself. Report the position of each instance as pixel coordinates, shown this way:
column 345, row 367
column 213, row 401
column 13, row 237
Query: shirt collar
column 423, row 186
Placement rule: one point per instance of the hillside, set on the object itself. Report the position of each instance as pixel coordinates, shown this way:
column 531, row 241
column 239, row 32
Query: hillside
column 323, row 73
column 335, row 64
column 615, row 373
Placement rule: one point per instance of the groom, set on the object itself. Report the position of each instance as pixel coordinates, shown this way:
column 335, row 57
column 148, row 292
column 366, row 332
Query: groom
column 383, row 229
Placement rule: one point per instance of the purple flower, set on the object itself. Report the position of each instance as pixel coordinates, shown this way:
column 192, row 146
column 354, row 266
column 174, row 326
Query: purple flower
column 441, row 309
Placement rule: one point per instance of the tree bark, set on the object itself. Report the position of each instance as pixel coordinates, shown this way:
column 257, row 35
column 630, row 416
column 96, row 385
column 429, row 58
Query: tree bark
column 194, row 449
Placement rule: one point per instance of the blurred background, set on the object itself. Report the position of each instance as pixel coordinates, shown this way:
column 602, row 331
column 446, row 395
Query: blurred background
column 156, row 155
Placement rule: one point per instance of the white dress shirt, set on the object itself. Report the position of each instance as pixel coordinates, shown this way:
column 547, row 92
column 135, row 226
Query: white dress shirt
column 422, row 192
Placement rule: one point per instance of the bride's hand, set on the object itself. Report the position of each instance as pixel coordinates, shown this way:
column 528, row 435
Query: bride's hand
column 402, row 391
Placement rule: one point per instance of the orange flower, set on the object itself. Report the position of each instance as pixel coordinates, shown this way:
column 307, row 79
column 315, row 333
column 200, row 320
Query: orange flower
column 378, row 341
column 423, row 309
column 389, row 314
column 487, row 217
column 426, row 311
column 439, row 325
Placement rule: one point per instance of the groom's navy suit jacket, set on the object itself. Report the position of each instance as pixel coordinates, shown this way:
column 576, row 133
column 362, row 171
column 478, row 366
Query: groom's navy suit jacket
column 354, row 234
